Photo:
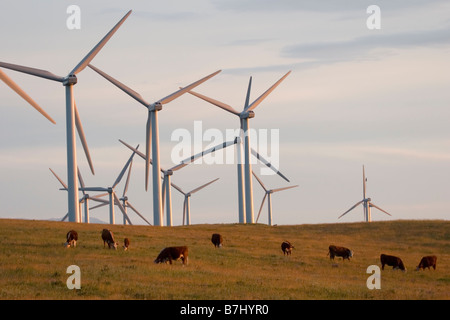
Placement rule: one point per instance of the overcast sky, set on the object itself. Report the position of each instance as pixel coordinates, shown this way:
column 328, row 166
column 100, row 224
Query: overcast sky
column 355, row 96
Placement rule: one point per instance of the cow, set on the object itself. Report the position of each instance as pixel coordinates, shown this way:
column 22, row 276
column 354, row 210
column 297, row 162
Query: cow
column 126, row 243
column 108, row 237
column 72, row 238
column 335, row 251
column 427, row 262
column 394, row 262
column 217, row 240
column 286, row 247
column 173, row 253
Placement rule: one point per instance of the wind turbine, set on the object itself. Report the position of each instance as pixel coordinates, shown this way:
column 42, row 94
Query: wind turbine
column 71, row 114
column 84, row 199
column 112, row 194
column 187, row 200
column 152, row 135
column 367, row 203
column 268, row 195
column 9, row 82
column 167, row 195
column 244, row 117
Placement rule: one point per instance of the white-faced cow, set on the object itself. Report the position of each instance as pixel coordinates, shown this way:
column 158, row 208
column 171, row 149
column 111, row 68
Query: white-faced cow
column 108, row 237
column 287, row 247
column 173, row 253
column 217, row 240
column 72, row 238
column 393, row 261
column 335, row 251
column 126, row 243
column 427, row 262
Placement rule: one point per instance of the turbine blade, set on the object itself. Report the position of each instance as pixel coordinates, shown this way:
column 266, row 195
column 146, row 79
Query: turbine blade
column 177, row 188
column 99, row 196
column 121, row 208
column 80, row 178
column 137, row 212
column 163, row 193
column 215, row 102
column 178, row 93
column 97, row 189
column 203, row 153
column 260, row 208
column 100, row 200
column 119, row 178
column 364, row 183
column 59, row 179
column 82, row 137
column 10, row 83
column 373, row 205
column 88, row 58
column 134, row 149
column 65, row 217
column 265, row 94
column 184, row 209
column 259, row 180
column 99, row 205
column 351, row 209
column 285, row 188
column 203, row 186
column 268, row 164
column 247, row 98
column 121, row 86
column 125, row 189
column 32, row 71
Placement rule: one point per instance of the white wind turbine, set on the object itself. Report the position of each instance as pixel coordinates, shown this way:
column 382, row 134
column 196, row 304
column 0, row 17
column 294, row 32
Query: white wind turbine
column 367, row 204
column 113, row 199
column 9, row 82
column 166, row 191
column 268, row 195
column 187, row 200
column 71, row 114
column 245, row 199
column 85, row 199
column 152, row 135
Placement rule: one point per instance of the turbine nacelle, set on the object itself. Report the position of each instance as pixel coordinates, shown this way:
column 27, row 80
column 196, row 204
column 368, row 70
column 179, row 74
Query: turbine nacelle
column 70, row 80
column 247, row 115
column 157, row 106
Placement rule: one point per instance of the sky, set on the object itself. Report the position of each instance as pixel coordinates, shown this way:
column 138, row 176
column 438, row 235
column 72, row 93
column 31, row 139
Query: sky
column 355, row 96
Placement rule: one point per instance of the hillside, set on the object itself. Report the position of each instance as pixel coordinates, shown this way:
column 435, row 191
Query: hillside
column 250, row 265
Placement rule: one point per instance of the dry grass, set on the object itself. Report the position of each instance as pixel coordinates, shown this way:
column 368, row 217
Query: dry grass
column 250, row 265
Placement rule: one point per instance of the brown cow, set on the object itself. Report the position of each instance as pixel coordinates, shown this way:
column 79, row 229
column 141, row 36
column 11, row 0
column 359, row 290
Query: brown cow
column 427, row 262
column 72, row 238
column 287, row 247
column 173, row 253
column 126, row 243
column 394, row 262
column 343, row 252
column 217, row 240
column 108, row 237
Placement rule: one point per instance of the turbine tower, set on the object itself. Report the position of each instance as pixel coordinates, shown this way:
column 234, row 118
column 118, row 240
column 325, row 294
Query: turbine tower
column 152, row 135
column 367, row 203
column 245, row 200
column 268, row 195
column 68, row 82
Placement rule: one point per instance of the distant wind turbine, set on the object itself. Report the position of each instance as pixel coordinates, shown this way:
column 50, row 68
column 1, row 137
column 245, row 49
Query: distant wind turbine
column 367, row 204
column 71, row 114
column 245, row 199
column 268, row 195
column 152, row 135
column 187, row 200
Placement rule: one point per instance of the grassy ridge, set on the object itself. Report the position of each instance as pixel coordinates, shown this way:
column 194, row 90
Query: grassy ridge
column 251, row 264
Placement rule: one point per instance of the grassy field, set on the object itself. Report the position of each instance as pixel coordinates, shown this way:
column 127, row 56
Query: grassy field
column 250, row 265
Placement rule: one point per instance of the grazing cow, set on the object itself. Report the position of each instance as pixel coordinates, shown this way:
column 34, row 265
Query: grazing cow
column 173, row 253
column 343, row 252
column 217, row 240
column 108, row 237
column 287, row 247
column 72, row 238
column 126, row 244
column 427, row 262
column 394, row 262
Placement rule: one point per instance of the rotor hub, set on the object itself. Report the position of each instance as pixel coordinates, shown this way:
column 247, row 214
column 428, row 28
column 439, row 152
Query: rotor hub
column 70, row 80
